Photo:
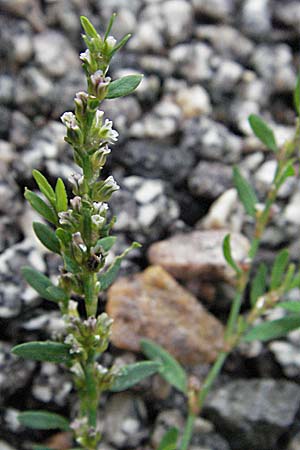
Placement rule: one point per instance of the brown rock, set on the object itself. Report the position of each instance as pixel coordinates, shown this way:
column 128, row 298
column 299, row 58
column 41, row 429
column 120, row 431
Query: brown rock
column 153, row 305
column 198, row 254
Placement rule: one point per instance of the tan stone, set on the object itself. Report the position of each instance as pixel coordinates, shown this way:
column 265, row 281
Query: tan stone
column 198, row 254
column 153, row 305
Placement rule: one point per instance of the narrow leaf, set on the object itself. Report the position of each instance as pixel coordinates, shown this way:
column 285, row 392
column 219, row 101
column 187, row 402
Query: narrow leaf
column 228, row 255
column 273, row 330
column 47, row 237
column 258, row 286
column 43, row 351
column 290, row 306
column 57, row 294
column 61, row 203
column 297, row 96
column 88, row 27
column 40, row 206
column 287, row 171
column 133, row 373
column 123, row 86
column 107, row 242
column 120, row 44
column 38, row 281
column 278, row 269
column 263, row 132
column 44, row 186
column 109, row 26
column 108, row 277
column 43, row 420
column 169, row 440
column 170, row 369
column 245, row 192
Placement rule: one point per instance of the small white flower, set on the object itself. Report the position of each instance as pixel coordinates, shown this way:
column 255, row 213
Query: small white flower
column 69, row 120
column 111, row 183
column 111, row 42
column 98, row 220
column 85, row 56
column 100, row 208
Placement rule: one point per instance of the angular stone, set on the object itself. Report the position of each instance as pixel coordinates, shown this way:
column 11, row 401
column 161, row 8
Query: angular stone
column 198, row 254
column 254, row 413
column 153, row 305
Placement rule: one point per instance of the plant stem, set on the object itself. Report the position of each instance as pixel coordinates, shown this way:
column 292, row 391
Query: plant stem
column 188, row 431
column 212, row 375
column 91, row 298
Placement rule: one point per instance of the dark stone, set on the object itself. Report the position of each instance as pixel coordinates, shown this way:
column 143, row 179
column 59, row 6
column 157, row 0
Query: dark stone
column 209, row 180
column 254, row 414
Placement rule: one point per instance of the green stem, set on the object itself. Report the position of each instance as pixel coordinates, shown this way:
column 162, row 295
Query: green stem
column 234, row 312
column 91, row 393
column 210, row 379
column 91, row 297
column 188, row 431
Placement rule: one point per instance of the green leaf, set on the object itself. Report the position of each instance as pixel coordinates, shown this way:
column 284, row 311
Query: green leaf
column 38, row 281
column 297, row 96
column 273, row 330
column 44, row 186
column 64, row 236
column 278, row 269
column 47, row 237
column 263, row 132
column 123, row 86
column 133, row 373
column 39, row 447
column 88, row 27
column 40, row 206
column 61, row 203
column 108, row 277
column 107, row 242
column 57, row 294
column 245, row 192
column 169, row 440
column 43, row 351
column 43, row 420
column 228, row 255
column 287, row 171
column 109, row 26
column 170, row 369
column 258, row 286
column 120, row 44
column 290, row 306
column 295, row 283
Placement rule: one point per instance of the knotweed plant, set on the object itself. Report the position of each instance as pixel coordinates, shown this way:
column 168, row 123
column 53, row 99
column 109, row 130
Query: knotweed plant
column 267, row 288
column 80, row 234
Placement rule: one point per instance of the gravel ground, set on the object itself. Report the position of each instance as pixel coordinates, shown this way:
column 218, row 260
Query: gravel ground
column 207, row 66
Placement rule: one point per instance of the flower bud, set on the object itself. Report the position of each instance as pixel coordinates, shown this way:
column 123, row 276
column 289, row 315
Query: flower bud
column 77, row 182
column 81, row 101
column 99, row 84
column 76, row 203
column 99, row 157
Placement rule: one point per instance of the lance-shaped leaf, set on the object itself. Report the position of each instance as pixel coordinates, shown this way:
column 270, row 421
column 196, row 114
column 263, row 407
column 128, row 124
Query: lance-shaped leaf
column 263, row 132
column 40, row 206
column 88, row 27
column 170, row 369
column 278, row 269
column 108, row 277
column 169, row 440
column 228, row 254
column 43, row 420
column 245, row 192
column 43, row 351
column 61, row 203
column 109, row 26
column 258, row 286
column 273, row 330
column 133, row 373
column 286, row 172
column 293, row 307
column 44, row 186
column 120, row 44
column 38, row 281
column 123, row 86
column 107, row 242
column 57, row 294
column 297, row 96
column 47, row 237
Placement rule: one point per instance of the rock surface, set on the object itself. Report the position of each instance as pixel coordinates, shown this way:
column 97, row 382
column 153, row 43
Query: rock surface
column 254, row 413
column 153, row 305
column 198, row 254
